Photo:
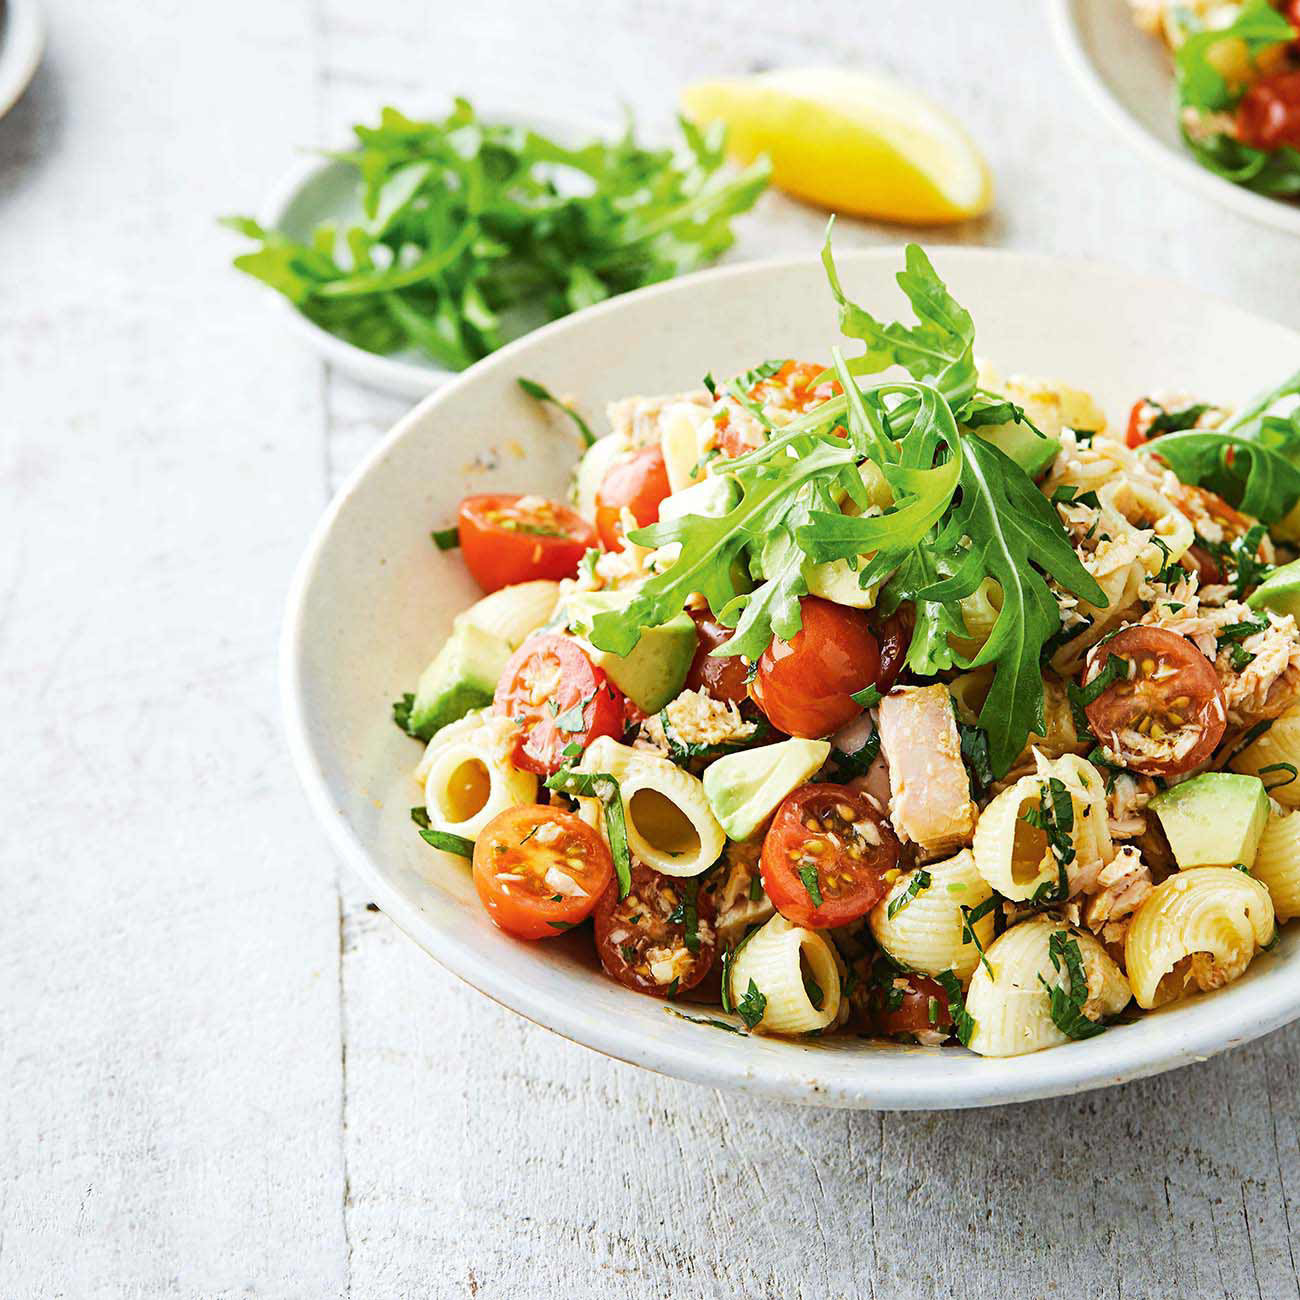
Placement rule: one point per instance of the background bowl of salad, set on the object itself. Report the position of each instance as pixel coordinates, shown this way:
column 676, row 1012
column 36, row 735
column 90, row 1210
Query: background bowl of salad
column 1182, row 110
column 373, row 600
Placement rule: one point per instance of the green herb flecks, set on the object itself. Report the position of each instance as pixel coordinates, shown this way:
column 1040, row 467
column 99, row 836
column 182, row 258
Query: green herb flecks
column 544, row 394
column 751, row 1007
column 919, row 881
column 1067, row 1000
column 602, row 786
column 443, row 840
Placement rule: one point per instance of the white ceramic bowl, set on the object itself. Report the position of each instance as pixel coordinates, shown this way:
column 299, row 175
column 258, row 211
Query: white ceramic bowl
column 373, row 599
column 1130, row 80
column 22, row 42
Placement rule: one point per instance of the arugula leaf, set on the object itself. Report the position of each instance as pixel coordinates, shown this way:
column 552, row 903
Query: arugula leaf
column 468, row 225
column 1014, row 532
column 709, row 545
column 544, row 394
column 1066, row 1003
column 939, row 348
column 1242, row 469
column 602, row 786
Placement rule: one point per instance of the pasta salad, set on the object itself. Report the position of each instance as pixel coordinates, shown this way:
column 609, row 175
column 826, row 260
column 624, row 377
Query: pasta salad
column 886, row 696
column 1237, row 64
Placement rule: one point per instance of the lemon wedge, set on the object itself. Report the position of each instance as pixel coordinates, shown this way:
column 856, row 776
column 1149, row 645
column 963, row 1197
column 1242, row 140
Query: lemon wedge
column 857, row 144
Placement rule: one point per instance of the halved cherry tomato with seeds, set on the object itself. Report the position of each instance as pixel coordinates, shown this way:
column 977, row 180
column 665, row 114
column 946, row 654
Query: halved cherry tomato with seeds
column 905, row 1006
column 1140, row 419
column 660, row 939
column 1165, row 711
column 790, row 389
column 826, row 856
column 540, row 871
column 725, row 677
column 637, row 483
column 507, row 538
column 560, row 700
column 804, row 685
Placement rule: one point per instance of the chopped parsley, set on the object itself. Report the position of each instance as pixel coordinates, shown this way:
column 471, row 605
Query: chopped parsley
column 687, row 915
column 812, row 883
column 1066, row 1004
column 962, row 1022
column 969, row 916
column 868, row 697
column 443, row 840
column 1278, row 767
column 919, row 881
column 751, row 1007
column 446, row 539
column 602, row 786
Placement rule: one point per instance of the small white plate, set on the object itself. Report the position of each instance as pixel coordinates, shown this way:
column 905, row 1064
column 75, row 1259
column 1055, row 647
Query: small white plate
column 22, row 41
column 1130, row 79
column 321, row 189
column 373, row 600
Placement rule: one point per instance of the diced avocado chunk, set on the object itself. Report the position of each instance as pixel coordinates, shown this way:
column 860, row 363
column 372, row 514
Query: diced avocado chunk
column 462, row 677
column 745, row 788
column 653, row 672
column 1031, row 450
column 1214, row 820
column 710, row 497
column 1280, row 591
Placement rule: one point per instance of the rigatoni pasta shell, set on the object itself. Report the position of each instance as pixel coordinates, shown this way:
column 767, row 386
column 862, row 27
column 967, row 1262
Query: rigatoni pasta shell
column 467, row 786
column 1199, row 929
column 1007, row 999
column 925, row 932
column 670, row 825
column 773, row 959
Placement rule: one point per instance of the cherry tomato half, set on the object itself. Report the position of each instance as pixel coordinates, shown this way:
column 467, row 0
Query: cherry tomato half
column 507, row 538
column 904, row 1006
column 660, row 938
column 1268, row 116
column 540, row 871
column 725, row 677
column 827, row 842
column 559, row 698
column 638, row 482
column 1140, row 419
column 1166, row 714
column 804, row 685
column 790, row 389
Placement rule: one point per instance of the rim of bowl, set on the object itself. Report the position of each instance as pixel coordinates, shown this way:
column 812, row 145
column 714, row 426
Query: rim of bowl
column 22, row 43
column 1277, row 213
column 1188, row 1032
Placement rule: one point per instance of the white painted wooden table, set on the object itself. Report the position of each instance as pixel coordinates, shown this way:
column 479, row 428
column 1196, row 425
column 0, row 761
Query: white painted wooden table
column 220, row 1074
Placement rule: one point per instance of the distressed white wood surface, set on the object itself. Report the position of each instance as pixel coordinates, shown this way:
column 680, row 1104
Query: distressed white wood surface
column 220, row 1074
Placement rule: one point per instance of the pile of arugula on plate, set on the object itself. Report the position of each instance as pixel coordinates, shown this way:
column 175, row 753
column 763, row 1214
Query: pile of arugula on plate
column 1204, row 88
column 473, row 232
column 962, row 510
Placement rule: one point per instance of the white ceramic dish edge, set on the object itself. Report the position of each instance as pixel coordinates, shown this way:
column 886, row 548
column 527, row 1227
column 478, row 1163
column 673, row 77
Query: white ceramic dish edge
column 817, row 1076
column 22, row 43
column 1278, row 213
